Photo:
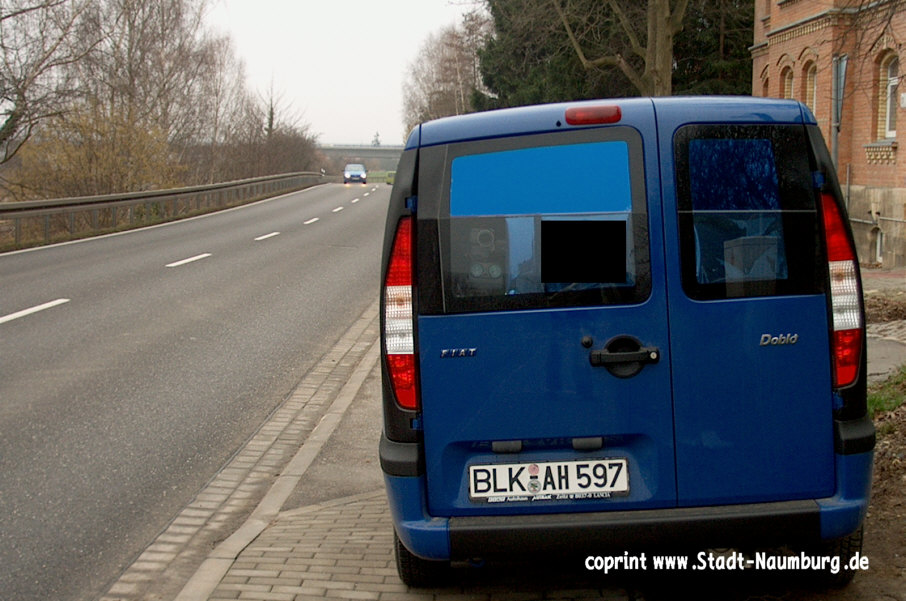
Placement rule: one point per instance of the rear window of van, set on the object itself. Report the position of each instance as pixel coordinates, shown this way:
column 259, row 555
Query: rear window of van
column 532, row 223
column 747, row 212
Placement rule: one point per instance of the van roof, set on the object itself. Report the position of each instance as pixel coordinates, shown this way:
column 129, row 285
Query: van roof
column 550, row 117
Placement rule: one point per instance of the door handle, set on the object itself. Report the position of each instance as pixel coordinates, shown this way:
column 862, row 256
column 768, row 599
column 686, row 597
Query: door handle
column 624, row 356
column 603, row 358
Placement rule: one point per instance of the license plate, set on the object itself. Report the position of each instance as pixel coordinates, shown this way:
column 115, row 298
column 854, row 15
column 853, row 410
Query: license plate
column 551, row 480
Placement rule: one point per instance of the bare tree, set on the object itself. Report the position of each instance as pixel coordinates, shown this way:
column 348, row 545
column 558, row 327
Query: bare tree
column 36, row 42
column 441, row 80
column 152, row 100
column 431, row 90
column 151, row 62
column 868, row 21
column 133, row 102
column 225, row 104
column 653, row 46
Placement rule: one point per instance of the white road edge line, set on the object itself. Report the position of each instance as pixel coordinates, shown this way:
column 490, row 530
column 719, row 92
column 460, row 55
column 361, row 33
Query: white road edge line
column 266, row 236
column 310, row 221
column 337, row 210
column 189, row 260
column 36, row 309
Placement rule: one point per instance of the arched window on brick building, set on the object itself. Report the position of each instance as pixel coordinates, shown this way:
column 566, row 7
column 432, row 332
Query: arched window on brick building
column 810, row 80
column 786, row 79
column 888, row 96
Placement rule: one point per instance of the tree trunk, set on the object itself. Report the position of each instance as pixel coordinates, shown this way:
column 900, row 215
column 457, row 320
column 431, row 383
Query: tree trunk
column 662, row 23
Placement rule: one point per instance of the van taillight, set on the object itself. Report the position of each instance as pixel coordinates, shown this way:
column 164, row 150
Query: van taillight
column 846, row 304
column 399, row 332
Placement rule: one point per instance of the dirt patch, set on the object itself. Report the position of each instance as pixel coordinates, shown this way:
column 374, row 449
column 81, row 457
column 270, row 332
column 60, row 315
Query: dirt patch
column 886, row 524
column 886, row 306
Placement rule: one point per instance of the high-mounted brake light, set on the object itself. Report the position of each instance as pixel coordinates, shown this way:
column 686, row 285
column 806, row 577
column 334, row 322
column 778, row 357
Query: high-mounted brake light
column 846, row 304
column 593, row 115
column 399, row 331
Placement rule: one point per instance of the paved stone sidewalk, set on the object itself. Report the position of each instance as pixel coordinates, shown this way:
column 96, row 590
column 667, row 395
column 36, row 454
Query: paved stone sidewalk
column 892, row 330
column 883, row 279
column 886, row 341
column 343, row 549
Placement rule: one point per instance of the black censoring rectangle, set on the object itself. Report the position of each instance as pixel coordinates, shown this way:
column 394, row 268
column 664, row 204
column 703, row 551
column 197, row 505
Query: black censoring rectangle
column 583, row 252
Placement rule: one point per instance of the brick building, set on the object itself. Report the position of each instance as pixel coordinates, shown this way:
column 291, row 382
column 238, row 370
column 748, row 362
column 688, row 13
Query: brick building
column 842, row 59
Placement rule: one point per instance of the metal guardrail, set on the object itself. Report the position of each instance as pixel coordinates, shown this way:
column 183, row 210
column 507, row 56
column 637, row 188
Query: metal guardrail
column 27, row 223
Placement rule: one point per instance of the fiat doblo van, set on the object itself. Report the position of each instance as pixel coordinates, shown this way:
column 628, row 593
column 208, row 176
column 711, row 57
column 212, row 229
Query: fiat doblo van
column 618, row 324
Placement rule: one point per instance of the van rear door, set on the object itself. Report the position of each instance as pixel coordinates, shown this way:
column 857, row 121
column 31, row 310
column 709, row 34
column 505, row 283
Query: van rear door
column 748, row 311
column 543, row 347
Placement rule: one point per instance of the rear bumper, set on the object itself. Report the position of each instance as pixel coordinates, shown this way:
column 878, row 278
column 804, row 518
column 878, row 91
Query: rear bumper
column 619, row 531
column 756, row 524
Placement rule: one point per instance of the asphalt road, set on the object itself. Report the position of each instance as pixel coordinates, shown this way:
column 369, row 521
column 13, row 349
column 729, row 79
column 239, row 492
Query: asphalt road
column 133, row 366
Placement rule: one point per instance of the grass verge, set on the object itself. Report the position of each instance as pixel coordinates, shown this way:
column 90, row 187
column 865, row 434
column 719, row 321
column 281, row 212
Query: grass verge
column 889, row 394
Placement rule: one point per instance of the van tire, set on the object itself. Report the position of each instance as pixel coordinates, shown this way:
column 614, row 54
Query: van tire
column 416, row 572
column 845, row 548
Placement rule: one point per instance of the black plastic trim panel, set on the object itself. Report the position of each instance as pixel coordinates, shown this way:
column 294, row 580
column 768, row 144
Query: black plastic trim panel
column 854, row 436
column 682, row 528
column 403, row 459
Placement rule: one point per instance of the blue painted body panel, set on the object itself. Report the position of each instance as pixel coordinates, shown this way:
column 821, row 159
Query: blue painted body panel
column 542, row 390
column 423, row 534
column 522, row 121
column 545, row 118
column 753, row 422
column 843, row 513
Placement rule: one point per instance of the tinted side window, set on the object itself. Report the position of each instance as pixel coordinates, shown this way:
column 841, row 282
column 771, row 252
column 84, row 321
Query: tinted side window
column 535, row 222
column 747, row 212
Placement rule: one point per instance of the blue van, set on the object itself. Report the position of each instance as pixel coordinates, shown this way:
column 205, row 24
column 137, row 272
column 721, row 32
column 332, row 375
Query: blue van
column 622, row 324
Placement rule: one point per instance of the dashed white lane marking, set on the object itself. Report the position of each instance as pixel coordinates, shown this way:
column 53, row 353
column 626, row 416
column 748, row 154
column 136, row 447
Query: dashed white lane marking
column 310, row 221
column 266, row 236
column 35, row 309
column 189, row 260
column 338, row 209
column 355, row 200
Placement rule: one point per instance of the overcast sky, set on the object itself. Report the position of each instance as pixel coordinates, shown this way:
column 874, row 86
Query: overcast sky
column 340, row 64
